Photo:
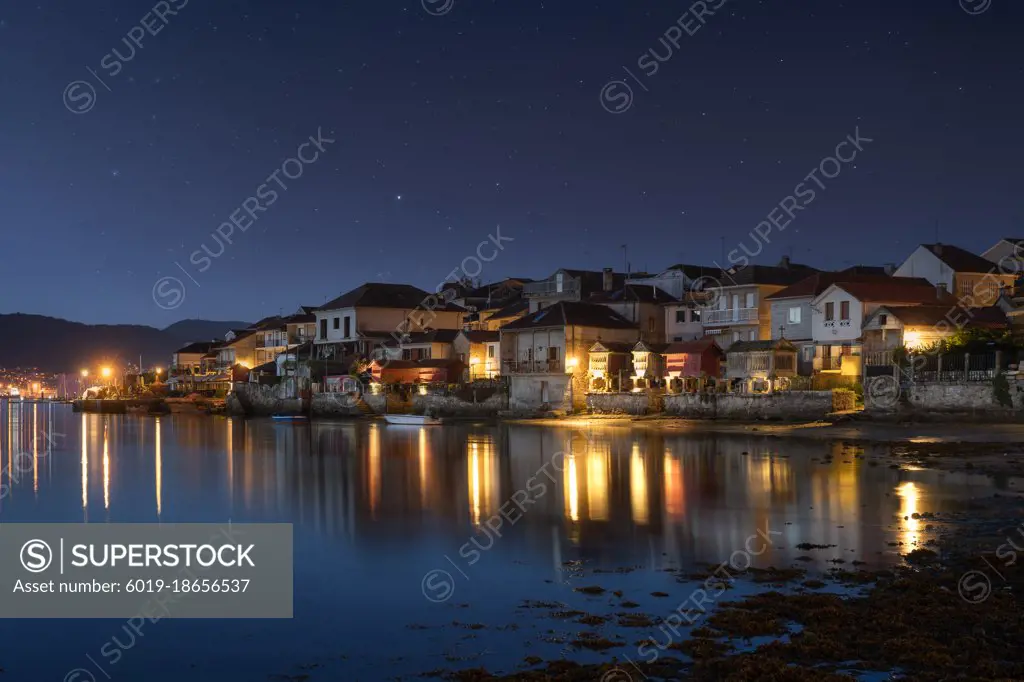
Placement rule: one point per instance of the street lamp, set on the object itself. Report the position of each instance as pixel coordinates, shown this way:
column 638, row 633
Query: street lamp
column 105, row 372
column 85, row 372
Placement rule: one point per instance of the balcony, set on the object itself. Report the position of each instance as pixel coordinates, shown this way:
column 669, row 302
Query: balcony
column 730, row 316
column 534, row 367
column 570, row 287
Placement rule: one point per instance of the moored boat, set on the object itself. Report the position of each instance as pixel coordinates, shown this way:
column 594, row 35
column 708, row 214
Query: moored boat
column 411, row 419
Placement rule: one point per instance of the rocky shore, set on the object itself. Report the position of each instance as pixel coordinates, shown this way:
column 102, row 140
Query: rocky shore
column 949, row 608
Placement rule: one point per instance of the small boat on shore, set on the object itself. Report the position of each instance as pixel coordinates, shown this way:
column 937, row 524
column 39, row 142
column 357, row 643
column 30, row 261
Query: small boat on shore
column 411, row 420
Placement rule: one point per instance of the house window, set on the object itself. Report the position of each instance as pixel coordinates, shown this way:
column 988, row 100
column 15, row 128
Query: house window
column 559, row 282
column 323, row 328
column 794, row 315
column 490, row 351
column 680, row 316
column 883, row 320
column 750, row 300
column 752, row 335
column 695, row 316
column 651, row 326
column 830, row 311
column 735, row 336
column 735, row 301
column 808, row 353
column 407, row 354
column 552, row 354
column 348, row 326
column 844, row 310
column 337, row 322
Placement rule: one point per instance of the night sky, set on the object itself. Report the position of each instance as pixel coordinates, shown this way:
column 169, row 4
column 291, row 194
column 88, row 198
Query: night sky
column 451, row 118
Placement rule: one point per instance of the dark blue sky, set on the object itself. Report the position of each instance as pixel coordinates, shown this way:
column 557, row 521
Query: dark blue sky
column 488, row 114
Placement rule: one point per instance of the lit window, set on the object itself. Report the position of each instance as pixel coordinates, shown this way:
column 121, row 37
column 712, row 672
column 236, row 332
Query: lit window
column 794, row 315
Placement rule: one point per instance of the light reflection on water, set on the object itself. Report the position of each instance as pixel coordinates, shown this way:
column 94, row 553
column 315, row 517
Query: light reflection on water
column 376, row 507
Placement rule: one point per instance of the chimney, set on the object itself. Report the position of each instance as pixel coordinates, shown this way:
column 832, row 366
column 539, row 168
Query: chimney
column 937, row 250
column 890, row 269
column 607, row 280
column 784, row 263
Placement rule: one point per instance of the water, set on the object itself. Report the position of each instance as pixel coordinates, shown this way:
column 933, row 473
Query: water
column 388, row 579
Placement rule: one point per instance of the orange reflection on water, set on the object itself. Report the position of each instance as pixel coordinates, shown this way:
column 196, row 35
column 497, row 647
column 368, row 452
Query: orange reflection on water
column 910, row 498
column 675, row 489
column 160, row 469
column 85, row 465
column 483, row 477
column 572, row 488
column 638, row 486
column 374, row 462
column 106, row 468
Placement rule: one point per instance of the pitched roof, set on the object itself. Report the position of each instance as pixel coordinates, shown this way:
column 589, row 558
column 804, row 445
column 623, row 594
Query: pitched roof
column 765, row 274
column 749, row 346
column 481, row 336
column 897, row 290
column 643, row 345
column 696, row 346
column 960, row 260
column 819, row 281
column 299, row 318
column 696, row 271
column 611, row 347
column 433, row 336
column 511, row 310
column 426, row 362
column 566, row 313
column 643, row 293
column 198, row 347
column 385, row 295
column 932, row 315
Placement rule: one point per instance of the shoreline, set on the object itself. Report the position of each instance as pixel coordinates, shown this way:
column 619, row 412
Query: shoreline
column 859, row 429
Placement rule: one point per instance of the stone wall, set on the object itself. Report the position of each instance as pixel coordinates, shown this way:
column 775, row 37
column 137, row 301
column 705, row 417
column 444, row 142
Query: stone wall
column 541, row 392
column 1000, row 399
column 337, row 405
column 255, row 400
column 624, row 403
column 798, row 405
column 455, row 406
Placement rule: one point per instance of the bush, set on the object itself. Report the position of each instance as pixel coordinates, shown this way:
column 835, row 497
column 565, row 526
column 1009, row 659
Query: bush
column 843, row 399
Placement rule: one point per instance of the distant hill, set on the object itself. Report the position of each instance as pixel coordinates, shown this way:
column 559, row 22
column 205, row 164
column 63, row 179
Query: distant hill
column 201, row 330
column 57, row 345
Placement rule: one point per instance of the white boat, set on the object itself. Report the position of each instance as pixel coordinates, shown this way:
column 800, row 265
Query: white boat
column 411, row 419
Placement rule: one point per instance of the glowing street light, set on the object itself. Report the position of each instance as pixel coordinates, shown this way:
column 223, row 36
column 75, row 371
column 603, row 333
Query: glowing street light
column 105, row 372
column 85, row 372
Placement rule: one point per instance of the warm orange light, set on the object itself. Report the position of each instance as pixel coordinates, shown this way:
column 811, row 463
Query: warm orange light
column 85, row 372
column 105, row 371
column 159, row 369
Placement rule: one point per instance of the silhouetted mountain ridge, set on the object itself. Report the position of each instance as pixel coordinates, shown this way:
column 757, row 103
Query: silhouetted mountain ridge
column 57, row 345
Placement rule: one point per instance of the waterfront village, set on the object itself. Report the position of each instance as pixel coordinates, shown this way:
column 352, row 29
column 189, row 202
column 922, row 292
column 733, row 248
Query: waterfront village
column 938, row 331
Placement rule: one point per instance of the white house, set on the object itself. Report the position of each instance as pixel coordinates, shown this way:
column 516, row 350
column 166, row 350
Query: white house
column 1007, row 254
column 974, row 280
column 838, row 313
column 377, row 315
column 676, row 280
